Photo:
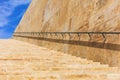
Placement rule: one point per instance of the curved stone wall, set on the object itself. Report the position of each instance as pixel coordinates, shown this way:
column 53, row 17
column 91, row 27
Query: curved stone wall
column 72, row 16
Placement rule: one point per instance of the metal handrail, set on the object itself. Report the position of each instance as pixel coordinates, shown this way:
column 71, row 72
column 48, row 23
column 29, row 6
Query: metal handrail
column 69, row 33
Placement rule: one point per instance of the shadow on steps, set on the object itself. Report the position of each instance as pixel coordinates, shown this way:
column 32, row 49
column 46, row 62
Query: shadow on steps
column 109, row 46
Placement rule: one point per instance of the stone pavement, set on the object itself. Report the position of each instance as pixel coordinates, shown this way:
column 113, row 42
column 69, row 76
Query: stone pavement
column 24, row 61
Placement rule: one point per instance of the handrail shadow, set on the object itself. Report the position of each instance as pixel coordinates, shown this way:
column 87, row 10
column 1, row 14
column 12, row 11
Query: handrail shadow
column 109, row 46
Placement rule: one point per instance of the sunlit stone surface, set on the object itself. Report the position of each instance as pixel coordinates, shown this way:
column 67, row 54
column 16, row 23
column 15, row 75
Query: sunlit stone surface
column 23, row 61
column 76, row 16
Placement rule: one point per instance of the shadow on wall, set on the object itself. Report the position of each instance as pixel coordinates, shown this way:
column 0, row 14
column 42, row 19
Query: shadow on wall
column 110, row 46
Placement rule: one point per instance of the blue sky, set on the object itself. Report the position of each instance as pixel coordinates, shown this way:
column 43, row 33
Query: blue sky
column 11, row 12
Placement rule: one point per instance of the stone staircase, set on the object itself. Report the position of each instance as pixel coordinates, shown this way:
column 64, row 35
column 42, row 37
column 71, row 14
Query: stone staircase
column 24, row 61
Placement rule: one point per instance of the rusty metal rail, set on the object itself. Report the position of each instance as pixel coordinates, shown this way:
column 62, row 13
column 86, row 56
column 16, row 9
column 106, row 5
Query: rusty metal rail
column 64, row 33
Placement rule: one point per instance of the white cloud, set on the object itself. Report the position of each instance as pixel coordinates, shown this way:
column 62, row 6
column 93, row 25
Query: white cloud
column 3, row 22
column 18, row 2
column 7, row 8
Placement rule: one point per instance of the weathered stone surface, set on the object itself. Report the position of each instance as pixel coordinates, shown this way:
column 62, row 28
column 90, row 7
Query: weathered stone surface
column 36, row 63
column 76, row 15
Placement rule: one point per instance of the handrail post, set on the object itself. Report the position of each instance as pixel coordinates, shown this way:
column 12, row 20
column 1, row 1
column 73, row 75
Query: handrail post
column 104, row 37
column 90, row 36
column 62, row 35
column 78, row 34
column 69, row 36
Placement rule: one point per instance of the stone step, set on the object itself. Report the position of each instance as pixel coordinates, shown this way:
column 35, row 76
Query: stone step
column 36, row 63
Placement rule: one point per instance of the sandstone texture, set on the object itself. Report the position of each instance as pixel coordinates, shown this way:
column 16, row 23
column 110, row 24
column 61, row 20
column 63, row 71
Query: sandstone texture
column 76, row 16
column 23, row 61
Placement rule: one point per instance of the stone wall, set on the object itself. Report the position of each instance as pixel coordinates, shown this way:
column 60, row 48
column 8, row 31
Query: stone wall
column 72, row 16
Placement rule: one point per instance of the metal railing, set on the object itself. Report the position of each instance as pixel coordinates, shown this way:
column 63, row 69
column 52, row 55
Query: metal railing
column 64, row 33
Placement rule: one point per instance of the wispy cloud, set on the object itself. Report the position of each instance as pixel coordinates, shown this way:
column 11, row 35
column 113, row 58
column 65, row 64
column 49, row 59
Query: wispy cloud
column 19, row 2
column 7, row 7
